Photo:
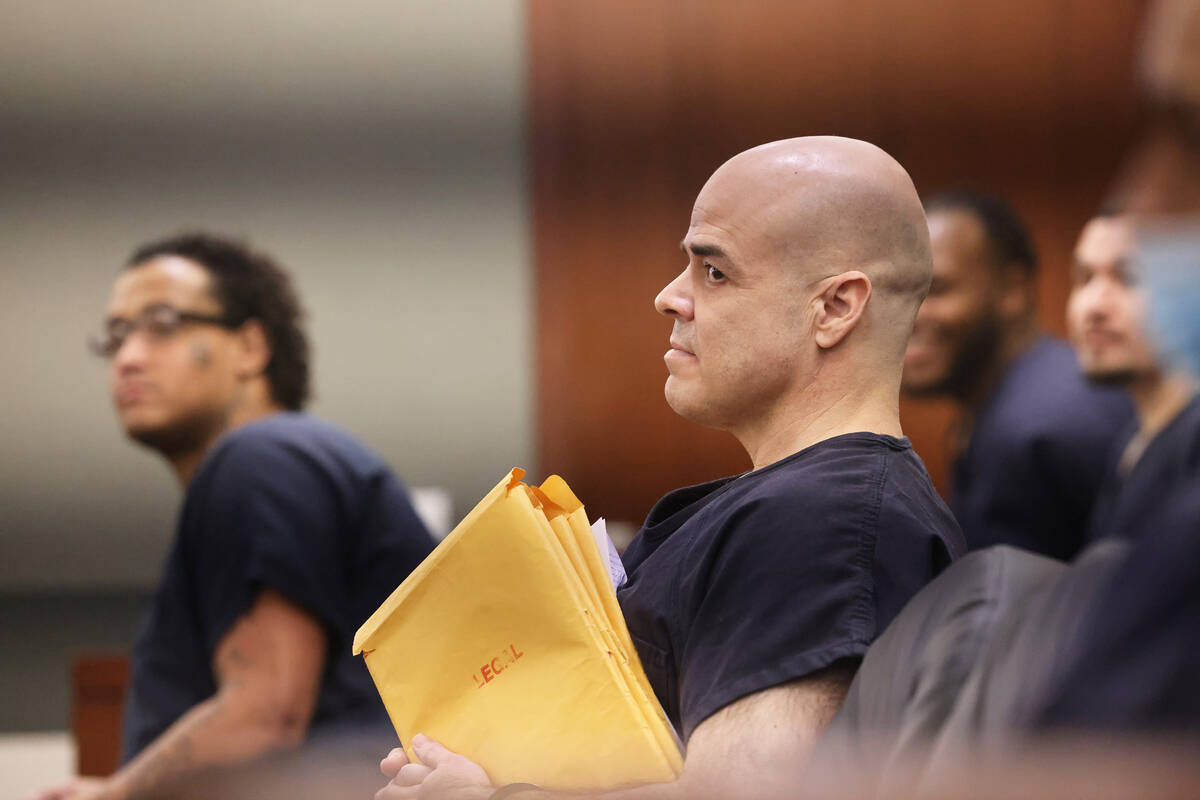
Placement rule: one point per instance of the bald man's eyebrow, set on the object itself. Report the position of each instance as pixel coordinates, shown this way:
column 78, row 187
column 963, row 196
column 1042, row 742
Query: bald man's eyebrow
column 701, row 249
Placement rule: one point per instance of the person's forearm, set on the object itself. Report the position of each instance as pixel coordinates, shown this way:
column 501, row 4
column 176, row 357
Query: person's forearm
column 214, row 732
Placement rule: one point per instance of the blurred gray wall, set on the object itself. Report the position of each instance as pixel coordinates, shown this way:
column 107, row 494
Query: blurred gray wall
column 376, row 148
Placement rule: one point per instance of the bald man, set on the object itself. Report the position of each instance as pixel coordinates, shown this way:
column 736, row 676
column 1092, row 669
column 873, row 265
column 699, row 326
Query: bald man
column 751, row 598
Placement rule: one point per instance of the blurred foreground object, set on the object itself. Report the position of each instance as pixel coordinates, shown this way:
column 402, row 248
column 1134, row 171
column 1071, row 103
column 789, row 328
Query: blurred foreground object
column 1168, row 253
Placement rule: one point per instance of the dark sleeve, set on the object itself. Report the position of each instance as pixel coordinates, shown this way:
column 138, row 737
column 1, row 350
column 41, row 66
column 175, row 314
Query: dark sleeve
column 1074, row 455
column 783, row 593
column 1132, row 662
column 266, row 517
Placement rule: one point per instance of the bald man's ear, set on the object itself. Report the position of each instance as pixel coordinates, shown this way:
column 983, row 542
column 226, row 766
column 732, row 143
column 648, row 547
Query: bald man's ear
column 839, row 307
column 254, row 349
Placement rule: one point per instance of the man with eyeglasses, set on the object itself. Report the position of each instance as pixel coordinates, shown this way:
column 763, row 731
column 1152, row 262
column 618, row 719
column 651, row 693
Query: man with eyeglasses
column 291, row 531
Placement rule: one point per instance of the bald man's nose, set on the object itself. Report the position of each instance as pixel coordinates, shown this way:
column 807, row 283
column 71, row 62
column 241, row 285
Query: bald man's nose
column 675, row 299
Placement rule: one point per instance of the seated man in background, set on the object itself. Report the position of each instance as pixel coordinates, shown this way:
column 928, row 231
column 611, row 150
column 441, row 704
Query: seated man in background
column 1132, row 666
column 751, row 599
column 291, row 531
column 1007, row 645
column 1106, row 314
column 1033, row 436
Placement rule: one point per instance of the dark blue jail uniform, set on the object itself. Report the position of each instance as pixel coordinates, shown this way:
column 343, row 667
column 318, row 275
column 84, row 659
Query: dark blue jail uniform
column 1037, row 455
column 1134, row 662
column 1171, row 459
column 745, row 583
column 292, row 504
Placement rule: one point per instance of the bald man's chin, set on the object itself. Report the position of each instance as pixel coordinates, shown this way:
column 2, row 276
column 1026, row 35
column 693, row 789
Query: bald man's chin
column 678, row 399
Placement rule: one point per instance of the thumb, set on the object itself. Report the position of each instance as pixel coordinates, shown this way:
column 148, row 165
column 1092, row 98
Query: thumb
column 392, row 762
column 431, row 753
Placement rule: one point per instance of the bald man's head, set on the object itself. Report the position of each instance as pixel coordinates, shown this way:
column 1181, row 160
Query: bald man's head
column 796, row 249
column 829, row 204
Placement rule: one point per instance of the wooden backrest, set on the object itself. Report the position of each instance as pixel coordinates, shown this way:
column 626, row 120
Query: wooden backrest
column 98, row 684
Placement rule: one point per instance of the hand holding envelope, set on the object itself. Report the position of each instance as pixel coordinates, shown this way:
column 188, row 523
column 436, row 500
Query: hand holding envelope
column 507, row 645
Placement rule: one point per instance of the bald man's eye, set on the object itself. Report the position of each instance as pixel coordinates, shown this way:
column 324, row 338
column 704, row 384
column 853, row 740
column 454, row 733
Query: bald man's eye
column 714, row 274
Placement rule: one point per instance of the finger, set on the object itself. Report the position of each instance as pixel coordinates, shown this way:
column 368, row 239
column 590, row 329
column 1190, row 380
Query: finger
column 393, row 761
column 429, row 751
column 394, row 792
column 411, row 774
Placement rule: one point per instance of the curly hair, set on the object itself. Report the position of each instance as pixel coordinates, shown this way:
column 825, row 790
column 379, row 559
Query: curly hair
column 249, row 285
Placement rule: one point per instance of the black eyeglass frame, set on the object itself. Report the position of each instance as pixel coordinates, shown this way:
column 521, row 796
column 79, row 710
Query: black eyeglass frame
column 161, row 320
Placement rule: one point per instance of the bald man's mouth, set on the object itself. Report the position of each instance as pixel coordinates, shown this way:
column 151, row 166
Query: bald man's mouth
column 680, row 346
column 678, row 354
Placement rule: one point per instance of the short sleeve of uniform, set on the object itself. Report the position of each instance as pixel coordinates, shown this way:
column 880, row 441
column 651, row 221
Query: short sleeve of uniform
column 779, row 597
column 265, row 515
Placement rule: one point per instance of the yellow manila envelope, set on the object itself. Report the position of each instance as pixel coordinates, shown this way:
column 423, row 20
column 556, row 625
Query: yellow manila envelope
column 508, row 646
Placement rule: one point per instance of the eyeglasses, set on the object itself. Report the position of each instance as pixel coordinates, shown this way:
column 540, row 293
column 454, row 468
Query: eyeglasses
column 159, row 321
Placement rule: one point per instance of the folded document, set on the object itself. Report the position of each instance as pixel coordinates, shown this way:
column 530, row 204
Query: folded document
column 507, row 645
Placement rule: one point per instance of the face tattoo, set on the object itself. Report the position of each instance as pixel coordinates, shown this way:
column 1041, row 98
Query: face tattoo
column 201, row 354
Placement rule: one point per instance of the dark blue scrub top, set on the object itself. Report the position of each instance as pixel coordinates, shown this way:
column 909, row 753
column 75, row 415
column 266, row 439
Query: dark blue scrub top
column 1037, row 455
column 1135, row 661
column 1127, row 500
column 296, row 505
column 744, row 583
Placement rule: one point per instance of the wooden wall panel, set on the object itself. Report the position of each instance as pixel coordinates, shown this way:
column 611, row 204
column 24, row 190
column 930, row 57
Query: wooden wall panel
column 634, row 104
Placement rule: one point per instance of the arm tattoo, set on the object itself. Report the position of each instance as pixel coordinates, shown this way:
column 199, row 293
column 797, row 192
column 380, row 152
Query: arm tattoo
column 233, row 665
column 167, row 765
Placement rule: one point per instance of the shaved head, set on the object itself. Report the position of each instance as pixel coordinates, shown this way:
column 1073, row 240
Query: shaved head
column 807, row 261
column 828, row 204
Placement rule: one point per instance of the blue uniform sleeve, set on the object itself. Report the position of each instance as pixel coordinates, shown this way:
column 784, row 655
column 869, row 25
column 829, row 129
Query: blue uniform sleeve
column 267, row 517
column 783, row 595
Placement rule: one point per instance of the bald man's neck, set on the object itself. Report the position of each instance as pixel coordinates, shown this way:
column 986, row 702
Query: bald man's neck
column 827, row 408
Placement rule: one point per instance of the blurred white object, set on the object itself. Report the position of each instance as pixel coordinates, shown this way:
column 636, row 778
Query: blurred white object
column 1169, row 258
column 608, row 552
column 30, row 762
column 434, row 507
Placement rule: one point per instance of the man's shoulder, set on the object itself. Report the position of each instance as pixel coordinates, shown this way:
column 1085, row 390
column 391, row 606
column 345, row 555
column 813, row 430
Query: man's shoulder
column 283, row 444
column 841, row 478
column 839, row 490
column 1045, row 394
column 828, row 468
column 1174, row 453
column 297, row 432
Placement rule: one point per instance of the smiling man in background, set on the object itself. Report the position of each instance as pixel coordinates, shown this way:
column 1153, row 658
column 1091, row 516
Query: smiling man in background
column 1107, row 317
column 1033, row 436
column 291, row 532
